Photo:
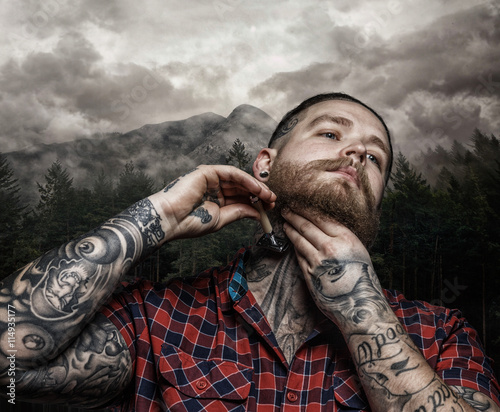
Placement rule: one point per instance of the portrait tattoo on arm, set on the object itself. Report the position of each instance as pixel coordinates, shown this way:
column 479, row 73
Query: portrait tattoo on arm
column 56, row 295
column 356, row 305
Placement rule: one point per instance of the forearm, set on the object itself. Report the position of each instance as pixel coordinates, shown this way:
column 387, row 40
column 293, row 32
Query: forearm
column 394, row 374
column 92, row 371
column 344, row 285
column 53, row 298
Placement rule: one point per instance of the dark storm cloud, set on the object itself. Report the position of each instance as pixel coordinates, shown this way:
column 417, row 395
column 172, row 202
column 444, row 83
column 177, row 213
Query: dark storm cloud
column 72, row 88
column 433, row 85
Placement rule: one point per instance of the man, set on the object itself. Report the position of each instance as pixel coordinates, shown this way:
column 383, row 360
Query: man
column 310, row 328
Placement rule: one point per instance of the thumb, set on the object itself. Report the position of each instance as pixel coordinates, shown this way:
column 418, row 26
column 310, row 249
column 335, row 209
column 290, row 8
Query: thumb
column 234, row 212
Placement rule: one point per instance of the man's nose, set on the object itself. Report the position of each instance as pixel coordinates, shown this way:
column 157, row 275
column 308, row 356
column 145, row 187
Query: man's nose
column 356, row 150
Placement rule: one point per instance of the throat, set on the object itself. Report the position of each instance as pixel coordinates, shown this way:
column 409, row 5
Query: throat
column 281, row 292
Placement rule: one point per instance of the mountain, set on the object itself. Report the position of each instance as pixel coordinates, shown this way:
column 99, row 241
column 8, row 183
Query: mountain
column 163, row 150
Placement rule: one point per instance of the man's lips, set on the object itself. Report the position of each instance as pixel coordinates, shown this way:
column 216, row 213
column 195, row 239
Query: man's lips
column 349, row 173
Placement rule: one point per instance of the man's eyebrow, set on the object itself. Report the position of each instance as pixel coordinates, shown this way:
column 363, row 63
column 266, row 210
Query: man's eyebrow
column 373, row 139
column 329, row 118
column 377, row 141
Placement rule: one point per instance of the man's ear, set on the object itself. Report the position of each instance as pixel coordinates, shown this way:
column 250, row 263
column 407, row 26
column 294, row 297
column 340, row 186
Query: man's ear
column 263, row 163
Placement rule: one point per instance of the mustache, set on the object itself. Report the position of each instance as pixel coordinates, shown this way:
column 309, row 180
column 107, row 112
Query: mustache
column 336, row 164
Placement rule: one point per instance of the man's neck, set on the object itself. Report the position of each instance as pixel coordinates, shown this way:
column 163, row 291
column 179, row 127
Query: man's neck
column 277, row 283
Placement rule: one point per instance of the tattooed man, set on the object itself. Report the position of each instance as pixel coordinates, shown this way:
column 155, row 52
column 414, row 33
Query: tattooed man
column 307, row 329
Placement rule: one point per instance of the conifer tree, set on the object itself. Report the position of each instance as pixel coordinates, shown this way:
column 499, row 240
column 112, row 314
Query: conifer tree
column 238, row 156
column 55, row 211
column 11, row 210
column 133, row 185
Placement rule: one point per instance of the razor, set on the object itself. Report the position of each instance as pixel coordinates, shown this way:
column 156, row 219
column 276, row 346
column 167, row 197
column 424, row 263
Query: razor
column 268, row 239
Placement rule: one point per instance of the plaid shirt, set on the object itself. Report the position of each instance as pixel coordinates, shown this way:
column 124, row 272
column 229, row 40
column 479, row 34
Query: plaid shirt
column 203, row 344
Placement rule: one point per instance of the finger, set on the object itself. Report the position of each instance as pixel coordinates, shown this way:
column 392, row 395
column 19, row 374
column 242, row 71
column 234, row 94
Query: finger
column 309, row 230
column 328, row 225
column 307, row 254
column 232, row 213
column 244, row 199
column 229, row 175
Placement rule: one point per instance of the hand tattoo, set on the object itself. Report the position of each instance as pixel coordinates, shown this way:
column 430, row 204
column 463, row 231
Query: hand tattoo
column 203, row 214
column 172, row 184
column 360, row 303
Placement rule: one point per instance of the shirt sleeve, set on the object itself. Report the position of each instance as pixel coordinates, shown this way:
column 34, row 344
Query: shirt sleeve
column 462, row 360
column 125, row 310
column 448, row 342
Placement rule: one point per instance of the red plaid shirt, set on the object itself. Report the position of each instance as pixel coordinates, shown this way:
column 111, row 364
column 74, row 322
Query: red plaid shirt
column 203, row 344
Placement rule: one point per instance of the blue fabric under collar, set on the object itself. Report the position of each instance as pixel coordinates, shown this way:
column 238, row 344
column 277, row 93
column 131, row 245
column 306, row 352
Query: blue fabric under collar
column 238, row 286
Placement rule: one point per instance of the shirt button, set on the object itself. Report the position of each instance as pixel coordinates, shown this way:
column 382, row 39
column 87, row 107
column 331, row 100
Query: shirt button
column 292, row 396
column 201, row 384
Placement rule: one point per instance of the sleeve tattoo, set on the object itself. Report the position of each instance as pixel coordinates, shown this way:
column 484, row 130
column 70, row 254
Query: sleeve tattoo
column 91, row 372
column 55, row 296
column 387, row 360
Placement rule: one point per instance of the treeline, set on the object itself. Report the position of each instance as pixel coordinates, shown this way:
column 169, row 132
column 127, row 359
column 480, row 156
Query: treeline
column 438, row 243
column 441, row 244
column 64, row 212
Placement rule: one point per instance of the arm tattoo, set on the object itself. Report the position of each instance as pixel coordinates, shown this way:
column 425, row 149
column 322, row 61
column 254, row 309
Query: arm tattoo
column 474, row 398
column 387, row 360
column 381, row 359
column 148, row 220
column 92, row 371
column 357, row 307
column 56, row 295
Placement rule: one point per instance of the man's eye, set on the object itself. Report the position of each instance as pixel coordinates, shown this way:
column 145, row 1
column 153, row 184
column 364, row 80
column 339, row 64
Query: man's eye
column 373, row 159
column 329, row 135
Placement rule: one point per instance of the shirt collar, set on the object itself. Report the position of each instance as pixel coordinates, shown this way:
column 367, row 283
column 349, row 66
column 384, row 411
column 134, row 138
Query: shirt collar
column 231, row 281
column 238, row 286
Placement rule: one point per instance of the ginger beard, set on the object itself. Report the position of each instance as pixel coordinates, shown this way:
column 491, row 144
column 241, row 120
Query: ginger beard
column 304, row 187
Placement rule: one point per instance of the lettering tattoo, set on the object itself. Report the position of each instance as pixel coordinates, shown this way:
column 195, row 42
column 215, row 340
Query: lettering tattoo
column 383, row 358
column 440, row 398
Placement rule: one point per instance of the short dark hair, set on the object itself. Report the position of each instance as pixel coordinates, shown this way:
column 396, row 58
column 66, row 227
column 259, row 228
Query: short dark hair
column 311, row 101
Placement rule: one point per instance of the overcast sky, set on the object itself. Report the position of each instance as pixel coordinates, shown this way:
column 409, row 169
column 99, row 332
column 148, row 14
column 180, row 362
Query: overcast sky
column 77, row 67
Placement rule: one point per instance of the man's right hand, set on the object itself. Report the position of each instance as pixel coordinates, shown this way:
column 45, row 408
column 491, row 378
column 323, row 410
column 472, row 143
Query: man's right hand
column 208, row 198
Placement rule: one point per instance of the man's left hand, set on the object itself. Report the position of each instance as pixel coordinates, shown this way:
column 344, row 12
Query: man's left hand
column 337, row 269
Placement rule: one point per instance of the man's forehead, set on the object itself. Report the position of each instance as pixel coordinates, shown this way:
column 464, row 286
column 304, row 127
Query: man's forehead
column 342, row 109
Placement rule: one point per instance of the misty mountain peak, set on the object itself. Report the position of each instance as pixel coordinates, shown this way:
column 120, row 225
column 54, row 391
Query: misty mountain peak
column 163, row 151
column 251, row 116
